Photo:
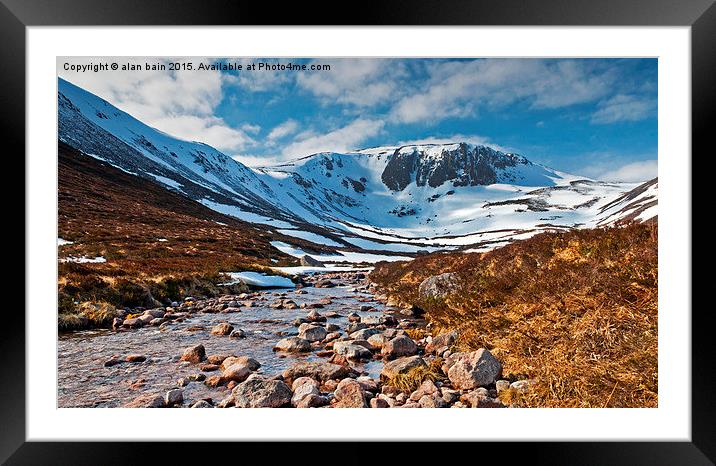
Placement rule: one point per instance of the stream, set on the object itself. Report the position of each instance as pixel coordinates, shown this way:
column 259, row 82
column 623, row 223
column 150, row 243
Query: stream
column 84, row 381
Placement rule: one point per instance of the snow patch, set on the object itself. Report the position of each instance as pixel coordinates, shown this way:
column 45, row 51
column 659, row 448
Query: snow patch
column 260, row 280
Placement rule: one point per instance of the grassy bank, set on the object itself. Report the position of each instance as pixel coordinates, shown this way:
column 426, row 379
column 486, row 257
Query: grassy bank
column 156, row 245
column 576, row 312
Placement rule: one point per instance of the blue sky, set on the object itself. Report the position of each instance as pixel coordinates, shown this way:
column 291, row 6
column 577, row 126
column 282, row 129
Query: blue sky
column 592, row 117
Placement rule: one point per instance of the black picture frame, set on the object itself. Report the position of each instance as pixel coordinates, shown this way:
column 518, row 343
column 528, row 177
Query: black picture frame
column 17, row 15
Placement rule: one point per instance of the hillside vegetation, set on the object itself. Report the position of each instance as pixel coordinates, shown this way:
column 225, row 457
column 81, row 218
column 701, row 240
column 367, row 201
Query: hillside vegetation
column 576, row 312
column 158, row 245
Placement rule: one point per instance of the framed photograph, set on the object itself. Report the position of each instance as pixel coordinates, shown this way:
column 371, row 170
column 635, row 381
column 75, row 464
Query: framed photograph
column 325, row 219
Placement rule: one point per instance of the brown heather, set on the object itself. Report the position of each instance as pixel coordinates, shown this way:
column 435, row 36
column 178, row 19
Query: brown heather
column 576, row 312
column 109, row 213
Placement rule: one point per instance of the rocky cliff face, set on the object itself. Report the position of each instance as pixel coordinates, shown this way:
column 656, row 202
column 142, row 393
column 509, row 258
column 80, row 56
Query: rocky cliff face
column 462, row 164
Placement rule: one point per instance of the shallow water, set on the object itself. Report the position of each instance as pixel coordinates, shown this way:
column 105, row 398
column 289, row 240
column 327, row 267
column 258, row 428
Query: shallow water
column 83, row 381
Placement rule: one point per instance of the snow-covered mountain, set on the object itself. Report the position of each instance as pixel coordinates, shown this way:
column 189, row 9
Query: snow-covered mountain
column 366, row 205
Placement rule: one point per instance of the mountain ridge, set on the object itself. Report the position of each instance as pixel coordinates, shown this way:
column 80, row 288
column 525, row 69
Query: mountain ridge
column 436, row 196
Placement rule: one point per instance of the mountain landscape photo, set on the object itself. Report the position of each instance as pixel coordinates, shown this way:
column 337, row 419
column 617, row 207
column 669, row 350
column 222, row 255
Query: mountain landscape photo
column 344, row 238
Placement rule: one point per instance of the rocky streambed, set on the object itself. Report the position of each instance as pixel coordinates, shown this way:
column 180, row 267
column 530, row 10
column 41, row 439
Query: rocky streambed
column 332, row 343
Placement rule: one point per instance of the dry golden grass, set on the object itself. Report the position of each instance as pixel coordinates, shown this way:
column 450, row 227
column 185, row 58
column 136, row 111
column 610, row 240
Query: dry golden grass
column 412, row 379
column 576, row 312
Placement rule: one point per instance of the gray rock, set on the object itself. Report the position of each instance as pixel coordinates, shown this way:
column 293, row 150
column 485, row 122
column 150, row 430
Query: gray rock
column 351, row 350
column 257, row 392
column 306, row 393
column 308, row 261
column 355, row 326
column 312, row 332
column 521, row 386
column 194, row 354
column 332, row 328
column 399, row 346
column 314, row 316
column 431, row 401
column 445, row 340
column 293, row 345
column 202, row 404
column 364, row 334
column 426, row 388
column 471, row 370
column 439, row 286
column 174, row 397
column 238, row 333
column 502, row 385
column 236, row 372
column 247, row 361
column 349, row 394
column 321, row 371
column 401, row 366
column 378, row 341
column 222, row 329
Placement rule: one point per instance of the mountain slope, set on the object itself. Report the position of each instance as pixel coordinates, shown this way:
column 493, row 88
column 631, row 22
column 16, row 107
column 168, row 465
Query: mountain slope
column 394, row 201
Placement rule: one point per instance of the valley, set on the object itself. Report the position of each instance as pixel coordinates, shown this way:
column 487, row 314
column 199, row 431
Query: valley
column 414, row 275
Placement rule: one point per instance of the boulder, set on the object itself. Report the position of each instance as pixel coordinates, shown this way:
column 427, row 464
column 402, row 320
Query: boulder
column 222, row 329
column 378, row 340
column 522, row 386
column 306, row 393
column 238, row 333
column 318, row 370
column 324, row 284
column 202, row 404
column 236, row 372
column 133, row 323
column 314, row 316
column 257, row 392
column 174, row 397
column 426, row 388
column 194, row 354
column 349, row 394
column 402, row 345
column 364, row 334
column 312, row 332
column 401, row 366
column 480, row 398
column 155, row 313
column 355, row 326
column 430, row 401
column 308, row 261
column 439, row 286
column 147, row 401
column 251, row 363
column 351, row 350
column 502, row 385
column 135, row 358
column 379, row 403
column 293, row 345
column 471, row 370
column 445, row 340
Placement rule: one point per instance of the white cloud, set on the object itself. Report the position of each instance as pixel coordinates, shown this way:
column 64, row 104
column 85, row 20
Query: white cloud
column 624, row 108
column 259, row 80
column 209, row 130
column 249, row 128
column 458, row 89
column 342, row 139
column 284, row 129
column 632, row 172
column 252, row 160
column 362, row 82
column 179, row 103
